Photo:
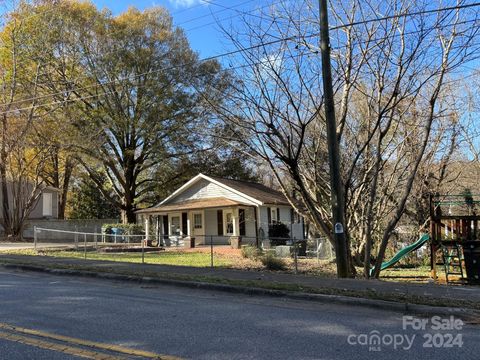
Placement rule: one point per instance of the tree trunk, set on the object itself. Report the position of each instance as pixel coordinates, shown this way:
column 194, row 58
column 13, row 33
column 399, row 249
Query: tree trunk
column 128, row 215
column 62, row 199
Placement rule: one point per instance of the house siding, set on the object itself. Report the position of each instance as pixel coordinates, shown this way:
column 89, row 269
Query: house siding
column 204, row 189
column 211, row 228
column 37, row 212
column 296, row 229
column 250, row 231
column 263, row 221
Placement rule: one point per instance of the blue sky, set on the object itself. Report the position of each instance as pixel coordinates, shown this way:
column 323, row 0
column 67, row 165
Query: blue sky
column 196, row 17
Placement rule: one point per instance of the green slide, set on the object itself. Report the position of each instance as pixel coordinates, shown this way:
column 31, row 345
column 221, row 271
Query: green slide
column 407, row 249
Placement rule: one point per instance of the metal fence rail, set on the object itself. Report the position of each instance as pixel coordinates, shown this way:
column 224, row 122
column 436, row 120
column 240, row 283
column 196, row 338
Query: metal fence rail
column 204, row 250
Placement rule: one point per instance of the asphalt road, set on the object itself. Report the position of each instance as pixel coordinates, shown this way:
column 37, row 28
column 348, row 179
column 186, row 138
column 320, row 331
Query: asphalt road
column 37, row 308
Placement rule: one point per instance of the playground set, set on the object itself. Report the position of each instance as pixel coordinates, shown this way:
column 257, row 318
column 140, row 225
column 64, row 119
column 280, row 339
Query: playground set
column 454, row 238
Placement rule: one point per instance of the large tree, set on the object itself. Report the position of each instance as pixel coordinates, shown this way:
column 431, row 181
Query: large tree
column 22, row 155
column 139, row 90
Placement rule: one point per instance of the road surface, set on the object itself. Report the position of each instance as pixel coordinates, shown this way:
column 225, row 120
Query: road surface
column 51, row 317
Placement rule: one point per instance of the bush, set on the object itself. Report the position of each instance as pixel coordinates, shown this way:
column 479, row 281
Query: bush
column 278, row 233
column 271, row 262
column 251, row 252
column 127, row 229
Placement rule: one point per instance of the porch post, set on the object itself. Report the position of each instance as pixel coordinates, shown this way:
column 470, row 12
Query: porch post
column 189, row 224
column 255, row 213
column 147, row 226
column 236, row 224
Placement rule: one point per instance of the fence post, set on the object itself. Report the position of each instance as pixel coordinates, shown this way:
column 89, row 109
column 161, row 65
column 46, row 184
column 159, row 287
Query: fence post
column 295, row 255
column 76, row 237
column 35, row 237
column 95, row 238
column 85, row 246
column 143, row 252
column 211, row 251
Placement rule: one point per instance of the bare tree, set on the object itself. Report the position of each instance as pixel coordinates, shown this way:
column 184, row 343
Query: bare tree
column 393, row 109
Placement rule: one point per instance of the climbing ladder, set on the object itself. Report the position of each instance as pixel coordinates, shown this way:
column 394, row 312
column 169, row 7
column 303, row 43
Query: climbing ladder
column 452, row 260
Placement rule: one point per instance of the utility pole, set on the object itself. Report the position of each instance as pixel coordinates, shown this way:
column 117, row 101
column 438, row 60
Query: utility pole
column 337, row 196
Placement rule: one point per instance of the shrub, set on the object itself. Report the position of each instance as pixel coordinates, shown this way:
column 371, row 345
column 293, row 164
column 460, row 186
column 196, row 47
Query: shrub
column 127, row 229
column 251, row 252
column 271, row 262
column 278, row 233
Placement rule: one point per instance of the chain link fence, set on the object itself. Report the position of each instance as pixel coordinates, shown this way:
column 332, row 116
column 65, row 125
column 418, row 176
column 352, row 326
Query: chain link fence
column 294, row 255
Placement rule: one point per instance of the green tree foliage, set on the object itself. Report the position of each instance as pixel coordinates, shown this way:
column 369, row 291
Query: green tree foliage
column 138, row 90
column 88, row 202
column 221, row 162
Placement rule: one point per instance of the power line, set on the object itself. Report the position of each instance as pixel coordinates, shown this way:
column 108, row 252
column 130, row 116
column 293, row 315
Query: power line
column 234, row 16
column 244, row 49
column 107, row 92
column 124, row 30
column 416, row 13
column 224, row 8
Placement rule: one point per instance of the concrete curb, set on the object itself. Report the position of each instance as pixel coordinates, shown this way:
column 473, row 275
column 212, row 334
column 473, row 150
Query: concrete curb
column 425, row 310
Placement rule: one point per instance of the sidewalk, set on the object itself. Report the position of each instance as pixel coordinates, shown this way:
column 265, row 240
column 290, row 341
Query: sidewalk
column 428, row 294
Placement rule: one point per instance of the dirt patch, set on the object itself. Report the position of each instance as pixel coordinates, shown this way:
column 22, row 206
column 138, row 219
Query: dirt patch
column 220, row 250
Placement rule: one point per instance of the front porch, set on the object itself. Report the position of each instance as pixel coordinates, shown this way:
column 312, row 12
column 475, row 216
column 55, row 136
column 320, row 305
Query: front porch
column 202, row 222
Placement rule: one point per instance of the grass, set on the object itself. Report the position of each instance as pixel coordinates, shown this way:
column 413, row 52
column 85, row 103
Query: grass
column 312, row 267
column 187, row 258
column 161, row 258
column 415, row 274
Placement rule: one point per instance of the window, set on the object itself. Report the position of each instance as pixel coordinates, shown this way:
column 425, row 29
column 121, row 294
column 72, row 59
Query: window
column 197, row 221
column 47, row 204
column 274, row 215
column 229, row 223
column 175, row 225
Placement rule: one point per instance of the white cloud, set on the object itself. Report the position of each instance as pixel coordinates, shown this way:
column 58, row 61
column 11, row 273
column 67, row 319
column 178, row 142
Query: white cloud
column 187, row 3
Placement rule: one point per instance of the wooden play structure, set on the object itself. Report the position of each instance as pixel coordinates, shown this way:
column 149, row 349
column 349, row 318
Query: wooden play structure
column 455, row 236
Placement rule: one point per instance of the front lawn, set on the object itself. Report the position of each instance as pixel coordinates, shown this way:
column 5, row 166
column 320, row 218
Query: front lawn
column 180, row 258
column 235, row 261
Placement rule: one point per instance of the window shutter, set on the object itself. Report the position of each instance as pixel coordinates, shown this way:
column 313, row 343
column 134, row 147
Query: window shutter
column 292, row 215
column 241, row 221
column 269, row 214
column 165, row 226
column 184, row 224
column 220, row 222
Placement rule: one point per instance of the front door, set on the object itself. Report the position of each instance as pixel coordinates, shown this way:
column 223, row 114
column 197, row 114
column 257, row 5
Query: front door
column 198, row 223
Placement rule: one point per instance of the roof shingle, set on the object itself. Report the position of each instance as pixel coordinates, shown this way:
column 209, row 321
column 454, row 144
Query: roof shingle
column 255, row 190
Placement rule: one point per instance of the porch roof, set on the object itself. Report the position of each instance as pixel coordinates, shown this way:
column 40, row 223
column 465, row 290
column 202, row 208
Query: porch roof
column 193, row 205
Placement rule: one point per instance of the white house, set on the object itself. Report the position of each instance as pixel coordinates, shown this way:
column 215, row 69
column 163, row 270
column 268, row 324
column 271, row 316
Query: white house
column 210, row 209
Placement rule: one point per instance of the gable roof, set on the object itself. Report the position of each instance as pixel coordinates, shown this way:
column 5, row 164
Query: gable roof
column 255, row 190
column 257, row 193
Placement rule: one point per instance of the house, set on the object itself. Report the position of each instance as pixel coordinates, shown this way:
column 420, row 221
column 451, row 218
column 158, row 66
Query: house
column 214, row 210
column 45, row 207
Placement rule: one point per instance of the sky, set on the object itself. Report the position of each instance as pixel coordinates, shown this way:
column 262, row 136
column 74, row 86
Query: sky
column 196, row 17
